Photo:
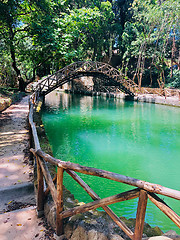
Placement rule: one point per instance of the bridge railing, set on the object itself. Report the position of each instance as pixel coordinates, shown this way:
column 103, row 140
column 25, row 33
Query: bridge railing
column 143, row 191
column 65, row 73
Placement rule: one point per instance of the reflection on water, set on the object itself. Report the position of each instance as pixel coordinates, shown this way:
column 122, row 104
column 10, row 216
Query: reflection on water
column 139, row 140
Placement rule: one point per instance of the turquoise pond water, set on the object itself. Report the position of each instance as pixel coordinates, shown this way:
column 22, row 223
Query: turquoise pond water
column 139, row 140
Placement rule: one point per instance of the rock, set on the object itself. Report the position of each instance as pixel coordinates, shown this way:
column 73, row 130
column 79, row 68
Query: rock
column 94, row 235
column 62, row 237
column 50, row 213
column 79, row 233
column 172, row 234
column 159, row 238
column 156, row 231
column 68, row 230
column 115, row 237
column 4, row 103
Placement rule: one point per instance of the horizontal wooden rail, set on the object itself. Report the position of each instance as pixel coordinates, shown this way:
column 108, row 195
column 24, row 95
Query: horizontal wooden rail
column 112, row 176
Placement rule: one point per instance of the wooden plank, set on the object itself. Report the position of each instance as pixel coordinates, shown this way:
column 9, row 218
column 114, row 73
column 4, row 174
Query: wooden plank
column 48, row 190
column 140, row 216
column 49, row 180
column 102, row 202
column 30, row 141
column 47, row 176
column 59, row 207
column 112, row 176
column 40, row 189
column 33, row 128
column 164, row 208
column 94, row 196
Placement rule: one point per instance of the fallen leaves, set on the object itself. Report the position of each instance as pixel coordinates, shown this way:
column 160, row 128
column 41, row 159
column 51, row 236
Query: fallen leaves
column 13, row 205
column 18, row 224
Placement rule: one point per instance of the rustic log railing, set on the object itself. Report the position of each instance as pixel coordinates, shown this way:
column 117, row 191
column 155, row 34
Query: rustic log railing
column 143, row 190
column 161, row 92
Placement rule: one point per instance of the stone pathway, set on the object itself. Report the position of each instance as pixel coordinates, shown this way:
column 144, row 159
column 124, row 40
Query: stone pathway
column 16, row 186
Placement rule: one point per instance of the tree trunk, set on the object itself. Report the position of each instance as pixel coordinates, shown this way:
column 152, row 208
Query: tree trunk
column 22, row 83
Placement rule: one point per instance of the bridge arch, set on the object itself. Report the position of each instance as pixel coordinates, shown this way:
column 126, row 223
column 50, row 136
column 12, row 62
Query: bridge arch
column 110, row 75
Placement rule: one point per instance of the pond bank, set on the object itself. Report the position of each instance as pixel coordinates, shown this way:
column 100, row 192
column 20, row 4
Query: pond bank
column 170, row 101
column 149, row 98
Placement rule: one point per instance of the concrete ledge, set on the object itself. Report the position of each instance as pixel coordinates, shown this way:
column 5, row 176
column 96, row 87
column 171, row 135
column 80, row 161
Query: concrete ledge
column 16, row 190
column 22, row 193
column 170, row 101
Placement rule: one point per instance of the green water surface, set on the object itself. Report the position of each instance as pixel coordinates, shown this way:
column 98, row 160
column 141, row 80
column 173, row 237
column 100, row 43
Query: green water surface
column 139, row 140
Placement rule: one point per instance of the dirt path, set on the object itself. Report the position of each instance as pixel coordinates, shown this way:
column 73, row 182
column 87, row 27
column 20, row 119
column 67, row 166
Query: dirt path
column 18, row 217
column 13, row 144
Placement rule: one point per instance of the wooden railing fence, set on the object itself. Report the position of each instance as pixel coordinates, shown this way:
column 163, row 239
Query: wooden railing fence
column 143, row 191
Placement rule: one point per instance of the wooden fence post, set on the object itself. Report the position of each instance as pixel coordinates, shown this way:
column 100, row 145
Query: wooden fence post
column 40, row 190
column 30, row 140
column 140, row 216
column 31, row 157
column 59, row 205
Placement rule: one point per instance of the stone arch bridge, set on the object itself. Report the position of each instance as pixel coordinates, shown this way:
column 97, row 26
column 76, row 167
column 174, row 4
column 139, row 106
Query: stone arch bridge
column 110, row 77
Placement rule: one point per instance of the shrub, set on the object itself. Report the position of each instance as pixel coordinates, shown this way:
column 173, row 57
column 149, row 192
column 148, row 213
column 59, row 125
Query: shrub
column 174, row 81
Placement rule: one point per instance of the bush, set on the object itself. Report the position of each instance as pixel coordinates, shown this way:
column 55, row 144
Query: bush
column 174, row 82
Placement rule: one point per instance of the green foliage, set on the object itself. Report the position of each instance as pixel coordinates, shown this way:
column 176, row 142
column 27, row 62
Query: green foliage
column 174, row 82
column 86, row 32
column 44, row 35
column 39, row 37
column 148, row 37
